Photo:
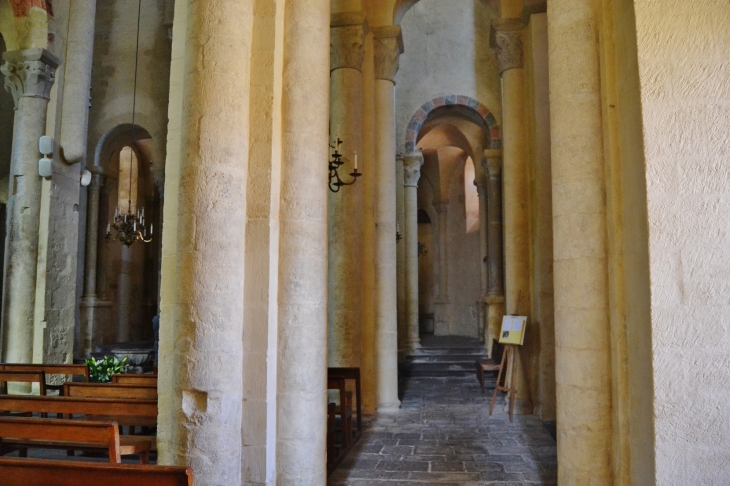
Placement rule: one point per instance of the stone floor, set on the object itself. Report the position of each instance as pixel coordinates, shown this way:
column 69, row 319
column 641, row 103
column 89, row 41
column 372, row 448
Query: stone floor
column 444, row 435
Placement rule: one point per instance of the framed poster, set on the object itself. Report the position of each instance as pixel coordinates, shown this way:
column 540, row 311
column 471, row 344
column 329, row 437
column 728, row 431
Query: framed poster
column 513, row 330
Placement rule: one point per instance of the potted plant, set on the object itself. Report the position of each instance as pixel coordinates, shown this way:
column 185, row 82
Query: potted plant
column 101, row 370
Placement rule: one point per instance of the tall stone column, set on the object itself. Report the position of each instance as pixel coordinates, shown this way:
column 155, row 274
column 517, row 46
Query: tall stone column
column 29, row 76
column 302, row 368
column 388, row 47
column 124, row 294
column 442, row 208
column 206, row 316
column 401, row 258
column 89, row 297
column 509, row 49
column 345, row 207
column 582, row 326
column 492, row 164
column 412, row 164
column 481, row 182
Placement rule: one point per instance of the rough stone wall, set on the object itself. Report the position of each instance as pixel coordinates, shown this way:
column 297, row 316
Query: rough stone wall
column 446, row 52
column 685, row 94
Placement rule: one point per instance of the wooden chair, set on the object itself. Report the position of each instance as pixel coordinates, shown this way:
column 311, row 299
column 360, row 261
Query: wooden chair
column 32, row 472
column 73, row 435
column 130, row 379
column 110, row 390
column 354, row 375
column 51, row 369
column 22, row 377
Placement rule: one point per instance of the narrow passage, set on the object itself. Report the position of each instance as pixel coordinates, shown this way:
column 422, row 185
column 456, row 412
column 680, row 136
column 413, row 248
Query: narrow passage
column 444, row 435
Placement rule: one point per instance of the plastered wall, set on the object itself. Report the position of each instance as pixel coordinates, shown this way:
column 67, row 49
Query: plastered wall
column 685, row 95
column 446, row 52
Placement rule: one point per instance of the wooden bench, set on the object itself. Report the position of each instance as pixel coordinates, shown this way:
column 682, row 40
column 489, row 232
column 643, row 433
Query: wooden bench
column 110, row 390
column 32, row 472
column 50, row 369
column 337, row 379
column 70, row 435
column 130, row 379
column 22, row 377
column 484, row 367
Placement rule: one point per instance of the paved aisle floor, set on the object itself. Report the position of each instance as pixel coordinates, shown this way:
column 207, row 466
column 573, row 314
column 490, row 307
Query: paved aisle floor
column 444, row 435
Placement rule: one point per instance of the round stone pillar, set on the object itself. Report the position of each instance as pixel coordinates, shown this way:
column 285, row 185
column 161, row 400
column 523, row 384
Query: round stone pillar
column 302, row 353
column 492, row 164
column 345, row 207
column 412, row 164
column 481, row 183
column 89, row 297
column 401, row 258
column 207, row 314
column 29, row 76
column 582, row 327
column 388, row 47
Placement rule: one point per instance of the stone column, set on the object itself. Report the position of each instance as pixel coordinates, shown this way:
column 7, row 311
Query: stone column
column 124, row 294
column 442, row 208
column 345, row 207
column 29, row 75
column 582, row 327
column 411, row 174
column 401, row 259
column 481, row 183
column 492, row 164
column 302, row 368
column 206, row 317
column 388, row 47
column 89, row 298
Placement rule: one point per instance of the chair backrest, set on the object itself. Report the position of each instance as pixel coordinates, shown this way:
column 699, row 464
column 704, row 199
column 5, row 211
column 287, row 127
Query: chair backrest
column 34, row 472
column 23, row 377
column 110, row 390
column 105, row 433
column 75, row 405
column 50, row 369
column 130, row 379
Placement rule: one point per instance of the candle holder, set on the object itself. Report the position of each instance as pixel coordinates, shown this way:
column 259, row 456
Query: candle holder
column 398, row 236
column 336, row 182
column 129, row 227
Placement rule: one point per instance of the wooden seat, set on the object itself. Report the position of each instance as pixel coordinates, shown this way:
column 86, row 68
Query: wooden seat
column 483, row 367
column 32, row 472
column 22, row 377
column 130, row 379
column 110, row 390
column 51, row 369
column 24, row 433
column 340, row 416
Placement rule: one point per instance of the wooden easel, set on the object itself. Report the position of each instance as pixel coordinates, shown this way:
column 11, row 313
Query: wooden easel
column 509, row 358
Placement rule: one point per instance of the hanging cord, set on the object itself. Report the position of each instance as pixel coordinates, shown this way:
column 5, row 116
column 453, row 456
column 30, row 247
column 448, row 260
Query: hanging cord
column 134, row 106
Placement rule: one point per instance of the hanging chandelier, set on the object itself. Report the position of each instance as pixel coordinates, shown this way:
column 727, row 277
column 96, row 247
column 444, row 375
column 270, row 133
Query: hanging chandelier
column 336, row 182
column 130, row 225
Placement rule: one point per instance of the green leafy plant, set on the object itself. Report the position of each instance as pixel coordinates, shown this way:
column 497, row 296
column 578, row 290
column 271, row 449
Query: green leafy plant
column 101, row 370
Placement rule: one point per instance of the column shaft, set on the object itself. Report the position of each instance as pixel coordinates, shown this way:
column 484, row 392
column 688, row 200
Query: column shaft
column 345, row 207
column 302, row 369
column 482, row 183
column 29, row 76
column 211, row 223
column 582, row 328
column 412, row 172
column 495, row 259
column 401, row 259
column 387, row 50
column 88, row 300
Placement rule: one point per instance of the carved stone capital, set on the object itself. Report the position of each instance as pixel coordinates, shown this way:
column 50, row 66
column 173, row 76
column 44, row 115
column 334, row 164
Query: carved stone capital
column 388, row 43
column 492, row 162
column 508, row 45
column 29, row 73
column 347, row 36
column 412, row 164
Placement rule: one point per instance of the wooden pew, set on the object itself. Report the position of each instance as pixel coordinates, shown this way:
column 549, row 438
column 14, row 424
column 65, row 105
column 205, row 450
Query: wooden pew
column 32, row 472
column 354, row 375
column 130, row 379
column 24, row 433
column 110, row 390
column 22, row 377
column 50, row 369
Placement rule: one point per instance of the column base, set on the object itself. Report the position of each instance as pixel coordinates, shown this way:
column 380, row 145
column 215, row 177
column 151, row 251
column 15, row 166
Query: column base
column 388, row 408
column 413, row 347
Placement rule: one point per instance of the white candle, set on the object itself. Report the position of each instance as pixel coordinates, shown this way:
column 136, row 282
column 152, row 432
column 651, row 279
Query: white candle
column 151, row 229
column 397, row 227
column 108, row 227
column 355, row 161
column 338, row 133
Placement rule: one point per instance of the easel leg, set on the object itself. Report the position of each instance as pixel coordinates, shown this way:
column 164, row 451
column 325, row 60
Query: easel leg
column 499, row 378
column 512, row 389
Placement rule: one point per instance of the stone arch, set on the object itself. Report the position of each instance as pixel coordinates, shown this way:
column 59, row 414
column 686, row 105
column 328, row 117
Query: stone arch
column 421, row 115
column 115, row 139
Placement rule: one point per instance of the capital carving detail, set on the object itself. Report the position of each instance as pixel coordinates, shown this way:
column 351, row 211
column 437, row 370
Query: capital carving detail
column 492, row 162
column 509, row 49
column 347, row 48
column 388, row 44
column 412, row 169
column 29, row 73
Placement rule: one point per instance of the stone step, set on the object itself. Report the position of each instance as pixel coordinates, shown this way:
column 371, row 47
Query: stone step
column 449, row 358
column 460, row 366
column 450, row 351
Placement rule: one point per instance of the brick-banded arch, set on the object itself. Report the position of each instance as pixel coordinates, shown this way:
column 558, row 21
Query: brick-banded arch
column 419, row 118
